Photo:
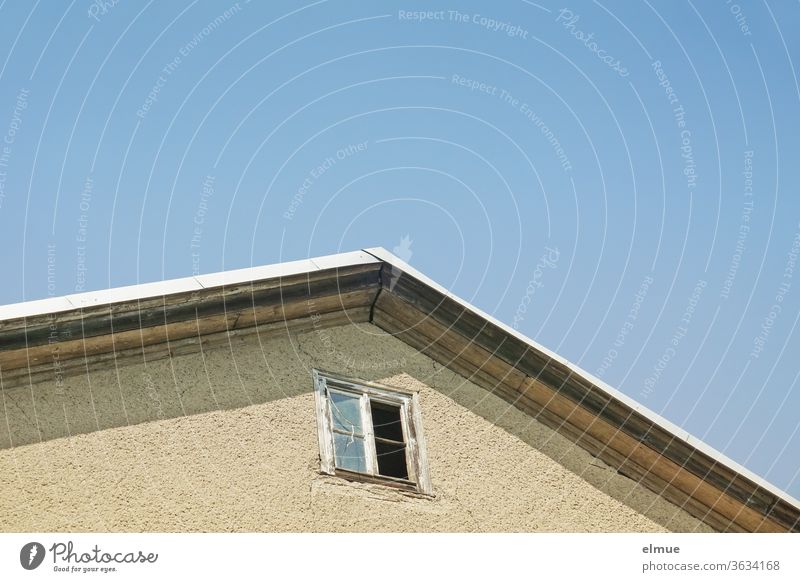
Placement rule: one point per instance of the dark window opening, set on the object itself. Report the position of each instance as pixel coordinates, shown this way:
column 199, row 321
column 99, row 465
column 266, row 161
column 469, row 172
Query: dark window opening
column 386, row 421
column 391, row 459
column 390, row 446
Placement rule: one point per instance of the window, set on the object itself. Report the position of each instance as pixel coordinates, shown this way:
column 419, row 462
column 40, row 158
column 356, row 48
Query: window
column 370, row 432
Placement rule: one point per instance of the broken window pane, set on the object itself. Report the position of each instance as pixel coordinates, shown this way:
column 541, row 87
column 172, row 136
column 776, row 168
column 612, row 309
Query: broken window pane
column 389, row 442
column 349, row 452
column 391, row 459
column 371, row 433
column 386, row 421
column 346, row 412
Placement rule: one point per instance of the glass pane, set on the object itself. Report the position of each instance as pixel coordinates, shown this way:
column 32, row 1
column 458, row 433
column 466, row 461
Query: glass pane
column 345, row 412
column 349, row 452
column 391, row 460
column 386, row 421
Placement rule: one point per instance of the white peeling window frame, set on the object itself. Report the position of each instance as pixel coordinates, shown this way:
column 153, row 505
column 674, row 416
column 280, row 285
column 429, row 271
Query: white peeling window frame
column 351, row 422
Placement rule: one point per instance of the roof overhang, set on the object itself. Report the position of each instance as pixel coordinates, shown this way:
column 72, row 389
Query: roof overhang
column 373, row 285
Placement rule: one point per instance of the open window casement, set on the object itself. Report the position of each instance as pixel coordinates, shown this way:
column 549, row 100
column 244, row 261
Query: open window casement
column 370, row 432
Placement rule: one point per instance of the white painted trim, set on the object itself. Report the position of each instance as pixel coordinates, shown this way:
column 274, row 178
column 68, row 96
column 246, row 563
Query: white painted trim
column 143, row 291
column 324, row 423
column 38, row 307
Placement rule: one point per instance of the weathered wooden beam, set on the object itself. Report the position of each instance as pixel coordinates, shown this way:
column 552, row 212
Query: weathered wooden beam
column 245, row 316
column 175, row 347
column 26, row 333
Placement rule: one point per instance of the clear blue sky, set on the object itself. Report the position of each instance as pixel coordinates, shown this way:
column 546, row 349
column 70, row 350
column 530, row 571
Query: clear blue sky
column 648, row 151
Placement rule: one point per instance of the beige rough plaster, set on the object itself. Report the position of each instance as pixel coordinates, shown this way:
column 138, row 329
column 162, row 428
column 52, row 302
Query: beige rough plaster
column 225, row 440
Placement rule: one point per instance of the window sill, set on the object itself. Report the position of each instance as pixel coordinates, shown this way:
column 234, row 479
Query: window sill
column 400, row 486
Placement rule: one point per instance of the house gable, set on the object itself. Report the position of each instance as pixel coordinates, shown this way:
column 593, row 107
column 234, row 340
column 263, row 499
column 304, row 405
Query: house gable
column 97, row 331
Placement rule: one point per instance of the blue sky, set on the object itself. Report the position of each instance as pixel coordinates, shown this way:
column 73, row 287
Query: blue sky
column 617, row 180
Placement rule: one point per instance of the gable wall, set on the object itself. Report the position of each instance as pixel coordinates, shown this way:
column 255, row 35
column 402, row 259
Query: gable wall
column 225, row 439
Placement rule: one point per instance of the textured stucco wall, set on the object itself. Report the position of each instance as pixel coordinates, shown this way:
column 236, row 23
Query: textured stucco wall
column 225, row 439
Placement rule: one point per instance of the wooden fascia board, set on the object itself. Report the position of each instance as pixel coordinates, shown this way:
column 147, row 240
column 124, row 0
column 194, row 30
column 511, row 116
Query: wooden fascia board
column 37, row 338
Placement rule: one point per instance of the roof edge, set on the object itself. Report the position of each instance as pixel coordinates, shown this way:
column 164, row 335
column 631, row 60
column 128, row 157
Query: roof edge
column 150, row 290
column 372, row 255
column 680, row 433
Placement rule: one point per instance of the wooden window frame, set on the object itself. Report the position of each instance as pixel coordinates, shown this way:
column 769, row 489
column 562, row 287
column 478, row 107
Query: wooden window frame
column 411, row 421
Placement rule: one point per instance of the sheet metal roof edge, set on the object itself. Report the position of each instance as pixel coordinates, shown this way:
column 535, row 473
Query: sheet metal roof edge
column 387, row 257
column 53, row 305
